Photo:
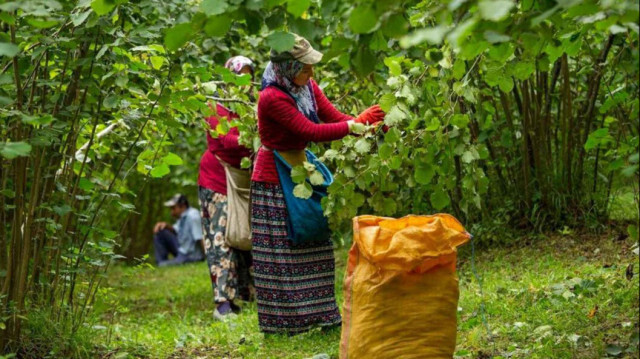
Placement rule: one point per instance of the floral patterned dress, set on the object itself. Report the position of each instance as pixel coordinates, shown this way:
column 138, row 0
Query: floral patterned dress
column 231, row 269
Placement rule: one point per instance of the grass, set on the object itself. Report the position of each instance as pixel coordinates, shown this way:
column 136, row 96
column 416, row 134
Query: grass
column 623, row 206
column 560, row 297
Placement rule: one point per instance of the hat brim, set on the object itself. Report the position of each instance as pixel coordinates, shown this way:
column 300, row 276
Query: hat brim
column 170, row 203
column 311, row 58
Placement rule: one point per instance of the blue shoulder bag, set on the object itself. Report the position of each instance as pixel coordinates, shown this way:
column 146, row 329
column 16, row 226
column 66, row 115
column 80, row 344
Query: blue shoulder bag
column 306, row 222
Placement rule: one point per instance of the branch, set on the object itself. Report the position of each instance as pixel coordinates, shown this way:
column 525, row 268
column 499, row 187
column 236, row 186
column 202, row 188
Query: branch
column 220, row 99
column 80, row 152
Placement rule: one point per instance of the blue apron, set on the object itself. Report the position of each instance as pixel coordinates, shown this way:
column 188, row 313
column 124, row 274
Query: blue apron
column 306, row 221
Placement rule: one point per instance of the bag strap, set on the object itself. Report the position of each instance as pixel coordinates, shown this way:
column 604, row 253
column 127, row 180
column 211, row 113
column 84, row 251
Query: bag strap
column 281, row 159
column 223, row 163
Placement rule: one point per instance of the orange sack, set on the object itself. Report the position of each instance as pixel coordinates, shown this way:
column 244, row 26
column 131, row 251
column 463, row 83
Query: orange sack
column 401, row 288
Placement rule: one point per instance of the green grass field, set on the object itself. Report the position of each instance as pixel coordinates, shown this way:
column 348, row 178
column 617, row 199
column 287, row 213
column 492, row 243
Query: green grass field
column 563, row 297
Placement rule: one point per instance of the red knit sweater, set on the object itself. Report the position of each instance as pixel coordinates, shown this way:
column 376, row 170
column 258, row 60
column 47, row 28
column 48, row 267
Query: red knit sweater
column 283, row 127
column 226, row 147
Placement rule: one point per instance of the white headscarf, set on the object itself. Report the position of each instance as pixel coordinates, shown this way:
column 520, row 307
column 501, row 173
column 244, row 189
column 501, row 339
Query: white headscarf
column 281, row 75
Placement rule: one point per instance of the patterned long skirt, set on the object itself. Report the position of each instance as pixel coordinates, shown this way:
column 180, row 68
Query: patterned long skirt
column 230, row 269
column 294, row 284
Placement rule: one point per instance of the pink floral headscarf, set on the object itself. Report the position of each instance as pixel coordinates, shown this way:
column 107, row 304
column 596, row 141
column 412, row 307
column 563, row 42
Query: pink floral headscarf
column 236, row 64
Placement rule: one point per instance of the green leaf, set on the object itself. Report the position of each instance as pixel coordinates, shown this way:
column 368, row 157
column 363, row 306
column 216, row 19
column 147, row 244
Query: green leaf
column 495, row 10
column 395, row 27
column 395, row 163
column 387, row 101
column 8, row 49
column 103, row 7
column 213, row 7
column 9, row 19
column 385, row 151
column 281, row 41
column 316, row 178
column 597, row 138
column 540, row 18
column 629, row 171
column 111, row 101
column 459, row 69
column 157, row 61
column 218, row 26
column 160, row 170
column 35, row 120
column 362, row 19
column 79, row 18
column 364, row 61
column 177, row 36
column 394, row 116
column 393, row 63
column 434, row 124
column 433, row 35
column 8, row 193
column 303, row 190
column 270, row 4
column 439, row 199
column 506, row 84
column 245, row 163
column 297, row 7
column 11, row 150
column 495, row 37
column 467, row 157
column 310, row 167
column 471, row 50
column 61, row 210
column 122, row 80
column 523, row 70
column 298, row 174
column 254, row 5
column 465, row 90
column 41, row 24
column 362, row 146
column 389, row 206
column 358, row 128
column 501, row 53
column 172, row 159
column 378, row 42
column 85, row 184
column 392, row 136
column 460, row 120
column 424, row 173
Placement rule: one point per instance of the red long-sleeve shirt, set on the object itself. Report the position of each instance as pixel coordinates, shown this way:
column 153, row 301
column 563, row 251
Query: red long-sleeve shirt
column 283, row 127
column 226, row 147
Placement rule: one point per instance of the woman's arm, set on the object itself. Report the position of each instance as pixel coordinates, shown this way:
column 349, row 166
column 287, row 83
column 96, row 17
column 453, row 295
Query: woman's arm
column 230, row 141
column 282, row 109
column 326, row 111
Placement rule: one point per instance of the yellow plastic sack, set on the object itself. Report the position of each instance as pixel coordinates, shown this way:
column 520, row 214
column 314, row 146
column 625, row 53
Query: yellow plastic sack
column 401, row 288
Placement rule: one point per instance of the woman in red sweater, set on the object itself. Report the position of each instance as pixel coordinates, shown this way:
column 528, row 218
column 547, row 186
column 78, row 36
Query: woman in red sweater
column 294, row 283
column 230, row 268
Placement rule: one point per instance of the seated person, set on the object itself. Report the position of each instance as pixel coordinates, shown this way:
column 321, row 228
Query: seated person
column 184, row 239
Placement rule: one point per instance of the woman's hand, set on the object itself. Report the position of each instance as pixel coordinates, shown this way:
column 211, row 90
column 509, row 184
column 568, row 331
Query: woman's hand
column 371, row 116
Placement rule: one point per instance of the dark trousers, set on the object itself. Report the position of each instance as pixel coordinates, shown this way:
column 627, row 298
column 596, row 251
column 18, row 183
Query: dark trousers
column 165, row 242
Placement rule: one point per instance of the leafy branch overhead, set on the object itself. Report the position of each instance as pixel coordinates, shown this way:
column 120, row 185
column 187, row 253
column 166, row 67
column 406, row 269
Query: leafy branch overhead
column 507, row 114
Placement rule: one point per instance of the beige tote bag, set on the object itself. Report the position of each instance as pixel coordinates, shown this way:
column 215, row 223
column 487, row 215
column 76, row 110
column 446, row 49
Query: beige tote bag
column 238, row 232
